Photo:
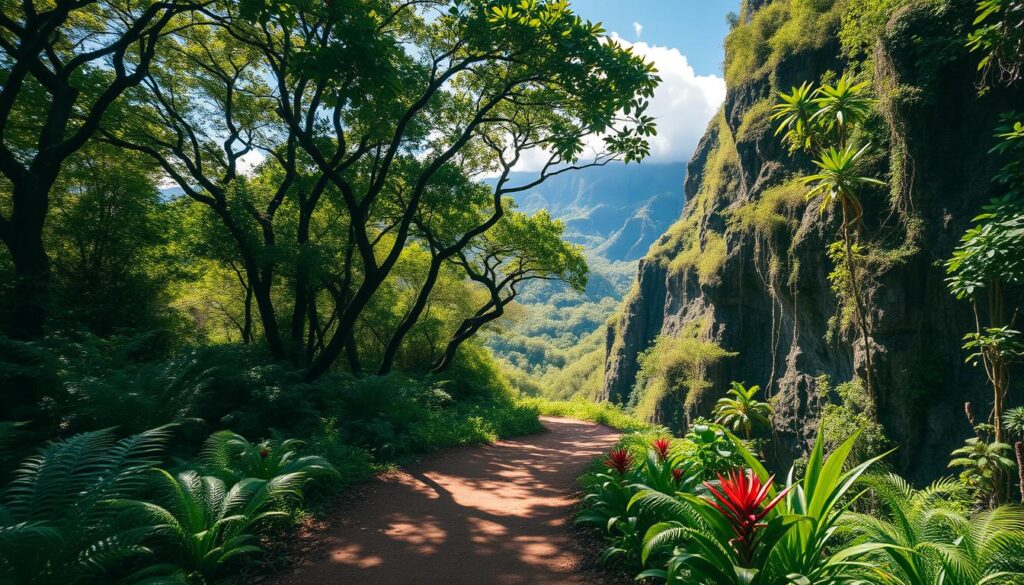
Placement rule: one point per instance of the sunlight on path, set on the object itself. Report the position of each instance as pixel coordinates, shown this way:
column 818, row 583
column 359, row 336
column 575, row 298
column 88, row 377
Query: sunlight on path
column 496, row 514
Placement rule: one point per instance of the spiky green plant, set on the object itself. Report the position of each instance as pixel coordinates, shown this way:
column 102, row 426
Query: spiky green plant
column 929, row 540
column 232, row 457
column 842, row 106
column 795, row 114
column 56, row 524
column 741, row 412
column 201, row 523
column 1013, row 421
column 796, row 543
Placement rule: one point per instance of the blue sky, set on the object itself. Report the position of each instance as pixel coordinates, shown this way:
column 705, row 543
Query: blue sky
column 683, row 39
column 695, row 27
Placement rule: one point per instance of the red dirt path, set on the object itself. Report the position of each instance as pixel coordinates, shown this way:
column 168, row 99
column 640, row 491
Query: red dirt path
column 478, row 515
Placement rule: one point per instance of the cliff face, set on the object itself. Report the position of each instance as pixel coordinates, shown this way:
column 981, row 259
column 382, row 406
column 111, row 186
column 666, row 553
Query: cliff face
column 747, row 261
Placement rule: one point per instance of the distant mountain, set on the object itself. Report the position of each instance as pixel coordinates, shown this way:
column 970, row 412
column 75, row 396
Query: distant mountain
column 616, row 211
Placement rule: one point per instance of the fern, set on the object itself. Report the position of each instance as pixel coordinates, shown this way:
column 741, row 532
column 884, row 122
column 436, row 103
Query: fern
column 56, row 525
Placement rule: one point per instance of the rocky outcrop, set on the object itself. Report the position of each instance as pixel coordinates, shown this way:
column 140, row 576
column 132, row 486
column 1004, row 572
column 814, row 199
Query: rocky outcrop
column 770, row 299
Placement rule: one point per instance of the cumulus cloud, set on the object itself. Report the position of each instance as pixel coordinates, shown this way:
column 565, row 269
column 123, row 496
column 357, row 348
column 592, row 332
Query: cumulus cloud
column 638, row 29
column 683, row 105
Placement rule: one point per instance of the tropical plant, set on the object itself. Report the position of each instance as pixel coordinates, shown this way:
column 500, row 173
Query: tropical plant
column 713, row 451
column 1013, row 421
column 795, row 113
column 842, row 106
column 733, row 536
column 56, row 524
column 741, row 412
column 732, row 539
column 986, row 264
column 985, row 466
column 928, row 539
column 823, row 122
column 233, row 458
column 822, row 496
column 201, row 523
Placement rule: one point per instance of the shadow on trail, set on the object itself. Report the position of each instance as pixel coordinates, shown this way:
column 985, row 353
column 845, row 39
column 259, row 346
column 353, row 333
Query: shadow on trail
column 495, row 514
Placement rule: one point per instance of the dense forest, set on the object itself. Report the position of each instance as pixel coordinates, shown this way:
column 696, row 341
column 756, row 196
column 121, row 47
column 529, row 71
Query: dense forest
column 257, row 252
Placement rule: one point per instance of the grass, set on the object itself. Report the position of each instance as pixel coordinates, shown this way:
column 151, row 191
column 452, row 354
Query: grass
column 604, row 413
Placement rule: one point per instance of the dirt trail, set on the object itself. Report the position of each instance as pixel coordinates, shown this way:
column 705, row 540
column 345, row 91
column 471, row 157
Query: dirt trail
column 478, row 515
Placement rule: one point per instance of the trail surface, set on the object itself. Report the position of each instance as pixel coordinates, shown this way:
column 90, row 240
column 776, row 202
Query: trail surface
column 496, row 514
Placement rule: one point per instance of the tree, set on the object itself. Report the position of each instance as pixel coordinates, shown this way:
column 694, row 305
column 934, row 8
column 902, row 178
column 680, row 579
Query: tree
column 518, row 249
column 382, row 97
column 988, row 261
column 107, row 236
column 822, row 121
column 63, row 68
column 740, row 411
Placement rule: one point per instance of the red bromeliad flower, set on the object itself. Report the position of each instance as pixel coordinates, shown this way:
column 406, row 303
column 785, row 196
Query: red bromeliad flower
column 620, row 460
column 661, row 447
column 264, row 452
column 739, row 498
column 677, row 474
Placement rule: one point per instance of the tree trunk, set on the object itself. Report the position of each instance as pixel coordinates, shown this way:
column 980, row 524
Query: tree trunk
column 1019, row 450
column 411, row 317
column 24, row 240
column 247, row 326
column 861, row 313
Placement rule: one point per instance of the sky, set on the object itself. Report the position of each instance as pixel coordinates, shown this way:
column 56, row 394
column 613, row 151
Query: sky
column 683, row 38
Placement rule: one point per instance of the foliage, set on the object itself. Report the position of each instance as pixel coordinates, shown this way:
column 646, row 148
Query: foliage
column 740, row 411
column 999, row 39
column 676, row 366
column 231, row 457
column 713, row 451
column 847, row 413
column 202, row 523
column 823, row 121
column 766, row 37
column 929, row 538
column 985, row 466
column 710, row 538
column 604, row 413
column 1013, row 421
column 56, row 523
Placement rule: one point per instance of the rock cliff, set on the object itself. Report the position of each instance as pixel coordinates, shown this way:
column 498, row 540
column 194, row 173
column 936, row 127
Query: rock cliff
column 746, row 264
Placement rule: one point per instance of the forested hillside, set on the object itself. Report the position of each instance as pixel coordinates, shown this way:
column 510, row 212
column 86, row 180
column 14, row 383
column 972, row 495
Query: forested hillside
column 615, row 212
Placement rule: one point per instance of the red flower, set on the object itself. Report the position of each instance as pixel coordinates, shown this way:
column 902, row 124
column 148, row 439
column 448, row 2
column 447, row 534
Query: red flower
column 739, row 498
column 677, row 474
column 264, row 452
column 620, row 460
column 661, row 446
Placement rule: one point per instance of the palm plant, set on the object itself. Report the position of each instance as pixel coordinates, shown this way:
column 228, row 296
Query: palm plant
column 822, row 120
column 984, row 465
column 837, row 182
column 796, row 115
column 56, row 525
column 842, row 106
column 232, row 457
column 929, row 541
column 1013, row 421
column 741, row 412
column 202, row 522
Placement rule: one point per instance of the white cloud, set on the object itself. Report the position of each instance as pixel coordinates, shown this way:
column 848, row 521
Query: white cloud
column 638, row 29
column 683, row 104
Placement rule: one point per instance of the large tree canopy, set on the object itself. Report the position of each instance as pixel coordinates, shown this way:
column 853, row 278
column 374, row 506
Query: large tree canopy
column 378, row 119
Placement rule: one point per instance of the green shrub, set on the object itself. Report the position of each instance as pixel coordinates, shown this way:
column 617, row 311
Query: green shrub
column 604, row 413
